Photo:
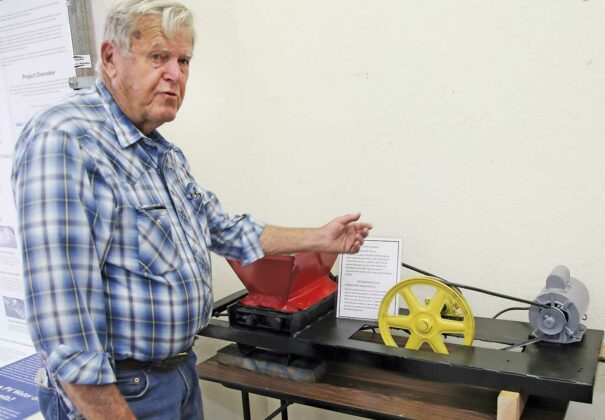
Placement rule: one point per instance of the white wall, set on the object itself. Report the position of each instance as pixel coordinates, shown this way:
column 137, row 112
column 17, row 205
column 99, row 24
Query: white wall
column 472, row 129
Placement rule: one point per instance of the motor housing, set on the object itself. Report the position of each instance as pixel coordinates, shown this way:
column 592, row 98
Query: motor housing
column 567, row 298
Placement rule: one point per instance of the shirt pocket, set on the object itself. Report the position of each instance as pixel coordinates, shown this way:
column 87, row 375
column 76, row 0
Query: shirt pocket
column 158, row 253
column 200, row 198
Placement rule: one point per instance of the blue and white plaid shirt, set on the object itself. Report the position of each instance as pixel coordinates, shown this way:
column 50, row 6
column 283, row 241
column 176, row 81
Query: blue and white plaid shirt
column 115, row 239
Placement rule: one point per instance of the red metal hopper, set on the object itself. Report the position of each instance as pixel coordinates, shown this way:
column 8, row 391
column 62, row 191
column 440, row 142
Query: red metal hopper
column 287, row 283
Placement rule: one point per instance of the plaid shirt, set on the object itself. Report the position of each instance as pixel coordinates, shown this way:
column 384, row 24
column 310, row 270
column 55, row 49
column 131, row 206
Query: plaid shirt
column 115, row 239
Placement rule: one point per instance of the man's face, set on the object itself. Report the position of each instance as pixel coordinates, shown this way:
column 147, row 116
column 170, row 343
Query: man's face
column 149, row 83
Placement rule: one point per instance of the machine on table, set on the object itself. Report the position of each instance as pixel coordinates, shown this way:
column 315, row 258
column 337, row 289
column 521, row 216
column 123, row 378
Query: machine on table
column 285, row 293
column 289, row 310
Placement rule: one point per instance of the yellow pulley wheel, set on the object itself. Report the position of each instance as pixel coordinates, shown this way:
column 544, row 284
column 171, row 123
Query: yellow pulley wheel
column 446, row 312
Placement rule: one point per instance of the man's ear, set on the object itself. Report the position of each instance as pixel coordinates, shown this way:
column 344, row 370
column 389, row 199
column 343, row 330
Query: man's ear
column 108, row 57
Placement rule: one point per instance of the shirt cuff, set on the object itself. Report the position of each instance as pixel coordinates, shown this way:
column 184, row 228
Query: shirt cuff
column 80, row 367
column 252, row 249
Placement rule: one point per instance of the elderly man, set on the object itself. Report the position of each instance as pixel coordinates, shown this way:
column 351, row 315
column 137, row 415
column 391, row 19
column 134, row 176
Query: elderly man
column 116, row 233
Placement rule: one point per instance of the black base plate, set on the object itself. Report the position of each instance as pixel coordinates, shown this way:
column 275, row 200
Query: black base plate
column 564, row 372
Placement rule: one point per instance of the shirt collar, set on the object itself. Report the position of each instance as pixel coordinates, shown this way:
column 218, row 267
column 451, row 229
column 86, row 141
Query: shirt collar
column 126, row 132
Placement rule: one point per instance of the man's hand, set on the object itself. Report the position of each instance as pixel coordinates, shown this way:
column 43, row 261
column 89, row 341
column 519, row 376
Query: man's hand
column 342, row 235
column 98, row 401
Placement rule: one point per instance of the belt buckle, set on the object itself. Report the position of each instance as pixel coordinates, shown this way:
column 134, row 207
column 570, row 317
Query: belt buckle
column 170, row 362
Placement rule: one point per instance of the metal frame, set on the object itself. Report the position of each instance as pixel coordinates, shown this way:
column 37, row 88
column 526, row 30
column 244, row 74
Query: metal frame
column 565, row 372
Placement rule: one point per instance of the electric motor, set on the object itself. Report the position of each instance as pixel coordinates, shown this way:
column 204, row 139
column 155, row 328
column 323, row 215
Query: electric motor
column 567, row 300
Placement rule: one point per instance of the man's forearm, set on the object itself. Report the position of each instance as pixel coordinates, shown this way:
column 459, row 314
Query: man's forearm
column 98, row 401
column 342, row 235
column 279, row 240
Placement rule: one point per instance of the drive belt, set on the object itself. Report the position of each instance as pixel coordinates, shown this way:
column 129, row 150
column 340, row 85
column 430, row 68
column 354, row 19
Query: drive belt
column 475, row 289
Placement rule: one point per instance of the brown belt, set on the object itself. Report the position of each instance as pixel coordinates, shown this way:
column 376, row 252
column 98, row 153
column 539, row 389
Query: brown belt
column 160, row 365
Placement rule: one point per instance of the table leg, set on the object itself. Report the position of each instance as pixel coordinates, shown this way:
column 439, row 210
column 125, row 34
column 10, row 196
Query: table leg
column 284, row 413
column 283, row 409
column 246, row 405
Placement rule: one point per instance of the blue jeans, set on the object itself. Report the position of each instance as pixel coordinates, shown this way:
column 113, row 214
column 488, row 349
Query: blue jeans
column 174, row 394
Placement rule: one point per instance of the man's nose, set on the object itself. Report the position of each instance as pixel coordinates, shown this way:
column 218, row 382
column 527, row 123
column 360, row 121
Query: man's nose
column 172, row 71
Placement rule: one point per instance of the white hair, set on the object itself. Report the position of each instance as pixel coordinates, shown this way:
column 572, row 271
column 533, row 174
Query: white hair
column 120, row 21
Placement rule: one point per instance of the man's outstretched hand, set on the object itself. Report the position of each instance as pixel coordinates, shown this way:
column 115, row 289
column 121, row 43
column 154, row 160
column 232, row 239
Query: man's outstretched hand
column 342, row 235
column 345, row 235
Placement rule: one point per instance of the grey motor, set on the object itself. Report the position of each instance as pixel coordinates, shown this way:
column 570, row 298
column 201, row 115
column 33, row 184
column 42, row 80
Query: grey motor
column 567, row 299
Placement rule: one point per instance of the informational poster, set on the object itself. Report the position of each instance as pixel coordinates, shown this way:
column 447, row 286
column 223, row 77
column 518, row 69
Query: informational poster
column 36, row 62
column 365, row 278
column 18, row 391
column 36, row 58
